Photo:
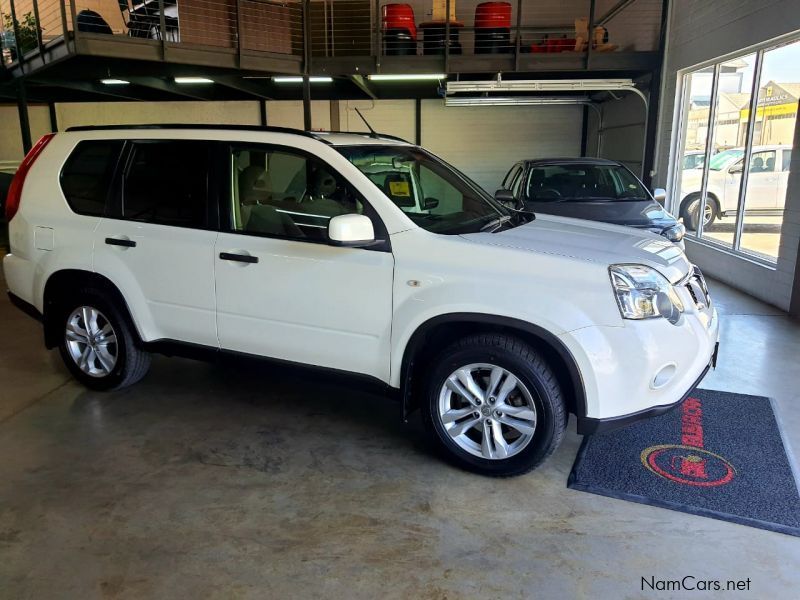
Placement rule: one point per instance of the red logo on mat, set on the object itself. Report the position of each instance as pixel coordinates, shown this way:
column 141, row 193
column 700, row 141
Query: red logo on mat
column 689, row 462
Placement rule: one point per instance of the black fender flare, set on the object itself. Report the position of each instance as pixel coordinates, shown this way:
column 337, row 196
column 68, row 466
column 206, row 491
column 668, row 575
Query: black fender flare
column 528, row 329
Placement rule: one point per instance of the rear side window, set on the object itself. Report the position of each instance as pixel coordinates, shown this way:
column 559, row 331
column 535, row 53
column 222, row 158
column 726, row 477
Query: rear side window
column 166, row 182
column 87, row 175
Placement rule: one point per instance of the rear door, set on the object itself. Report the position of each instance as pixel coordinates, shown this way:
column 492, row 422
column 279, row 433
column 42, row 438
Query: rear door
column 157, row 241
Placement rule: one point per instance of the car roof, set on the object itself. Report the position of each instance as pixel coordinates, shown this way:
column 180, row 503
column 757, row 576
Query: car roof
column 334, row 138
column 570, row 161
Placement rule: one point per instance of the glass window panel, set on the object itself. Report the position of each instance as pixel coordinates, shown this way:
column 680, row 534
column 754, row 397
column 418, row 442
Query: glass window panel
column 281, row 193
column 167, row 183
column 696, row 110
column 773, row 136
column 729, row 136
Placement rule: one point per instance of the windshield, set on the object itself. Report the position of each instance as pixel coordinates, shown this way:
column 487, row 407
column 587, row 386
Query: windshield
column 723, row 159
column 433, row 194
column 583, row 183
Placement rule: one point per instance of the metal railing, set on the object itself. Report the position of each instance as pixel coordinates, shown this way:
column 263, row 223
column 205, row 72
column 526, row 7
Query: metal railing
column 341, row 28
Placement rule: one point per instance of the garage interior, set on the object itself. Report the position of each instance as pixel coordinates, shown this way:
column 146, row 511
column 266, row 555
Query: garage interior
column 243, row 480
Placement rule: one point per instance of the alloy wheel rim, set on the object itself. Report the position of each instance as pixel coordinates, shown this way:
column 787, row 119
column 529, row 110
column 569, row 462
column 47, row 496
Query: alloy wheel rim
column 707, row 212
column 91, row 341
column 707, row 215
column 487, row 411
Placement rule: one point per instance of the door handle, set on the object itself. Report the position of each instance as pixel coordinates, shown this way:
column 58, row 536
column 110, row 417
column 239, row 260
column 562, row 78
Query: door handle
column 120, row 242
column 245, row 258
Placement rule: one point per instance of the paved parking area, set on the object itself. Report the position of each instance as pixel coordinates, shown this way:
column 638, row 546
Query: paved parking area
column 761, row 235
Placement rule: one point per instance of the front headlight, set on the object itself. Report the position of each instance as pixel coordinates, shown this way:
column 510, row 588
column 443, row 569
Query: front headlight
column 674, row 233
column 644, row 293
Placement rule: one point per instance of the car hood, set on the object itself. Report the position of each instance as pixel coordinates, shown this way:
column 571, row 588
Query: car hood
column 645, row 213
column 593, row 242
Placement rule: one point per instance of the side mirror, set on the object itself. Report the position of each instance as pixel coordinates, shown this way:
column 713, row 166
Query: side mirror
column 430, row 203
column 735, row 169
column 506, row 198
column 660, row 195
column 351, row 230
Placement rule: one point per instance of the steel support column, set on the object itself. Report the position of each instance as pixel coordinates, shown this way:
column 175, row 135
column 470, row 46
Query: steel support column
column 306, row 103
column 24, row 121
column 418, row 122
column 51, row 109
column 654, row 104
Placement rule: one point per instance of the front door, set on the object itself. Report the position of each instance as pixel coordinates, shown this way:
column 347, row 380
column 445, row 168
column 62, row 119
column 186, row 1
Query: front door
column 762, row 181
column 282, row 291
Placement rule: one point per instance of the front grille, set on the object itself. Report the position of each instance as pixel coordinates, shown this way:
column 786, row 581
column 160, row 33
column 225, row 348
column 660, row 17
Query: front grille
column 696, row 286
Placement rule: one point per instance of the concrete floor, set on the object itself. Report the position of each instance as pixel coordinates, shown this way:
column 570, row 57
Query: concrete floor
column 761, row 235
column 210, row 481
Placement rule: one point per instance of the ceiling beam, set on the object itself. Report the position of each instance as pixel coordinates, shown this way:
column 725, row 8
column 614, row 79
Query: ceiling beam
column 364, row 86
column 247, row 86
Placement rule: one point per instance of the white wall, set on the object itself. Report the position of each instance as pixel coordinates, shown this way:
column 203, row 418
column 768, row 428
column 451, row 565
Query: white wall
column 486, row 141
column 703, row 30
column 131, row 113
column 393, row 117
column 289, row 113
column 11, row 152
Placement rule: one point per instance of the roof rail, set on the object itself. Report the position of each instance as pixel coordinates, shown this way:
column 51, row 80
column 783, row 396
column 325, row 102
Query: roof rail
column 205, row 126
column 377, row 133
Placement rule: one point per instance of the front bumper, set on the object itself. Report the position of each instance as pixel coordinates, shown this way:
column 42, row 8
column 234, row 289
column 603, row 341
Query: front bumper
column 644, row 368
column 588, row 425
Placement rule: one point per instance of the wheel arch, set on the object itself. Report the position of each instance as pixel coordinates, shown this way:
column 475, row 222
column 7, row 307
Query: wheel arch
column 63, row 282
column 438, row 332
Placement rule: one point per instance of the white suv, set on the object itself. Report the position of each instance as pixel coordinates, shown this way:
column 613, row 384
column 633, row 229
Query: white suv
column 766, row 184
column 275, row 243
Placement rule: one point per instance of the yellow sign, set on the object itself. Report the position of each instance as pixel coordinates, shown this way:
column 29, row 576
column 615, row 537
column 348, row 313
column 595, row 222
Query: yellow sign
column 771, row 111
column 399, row 188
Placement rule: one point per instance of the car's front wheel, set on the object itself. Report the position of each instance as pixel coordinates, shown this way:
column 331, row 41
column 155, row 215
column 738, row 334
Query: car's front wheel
column 97, row 344
column 691, row 213
column 494, row 405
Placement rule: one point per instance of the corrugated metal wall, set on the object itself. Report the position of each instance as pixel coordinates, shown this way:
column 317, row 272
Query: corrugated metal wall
column 485, row 142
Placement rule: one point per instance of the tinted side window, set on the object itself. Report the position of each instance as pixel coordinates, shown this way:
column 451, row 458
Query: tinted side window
column 167, row 183
column 787, row 159
column 87, row 175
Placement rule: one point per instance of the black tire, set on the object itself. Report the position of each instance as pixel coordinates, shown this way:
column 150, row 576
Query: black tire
column 528, row 366
column 690, row 211
column 131, row 364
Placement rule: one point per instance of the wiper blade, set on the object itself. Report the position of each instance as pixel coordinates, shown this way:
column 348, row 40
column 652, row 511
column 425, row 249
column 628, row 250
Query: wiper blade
column 496, row 224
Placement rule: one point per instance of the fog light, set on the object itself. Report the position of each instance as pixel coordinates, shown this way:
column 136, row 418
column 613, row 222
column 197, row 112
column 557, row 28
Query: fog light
column 664, row 376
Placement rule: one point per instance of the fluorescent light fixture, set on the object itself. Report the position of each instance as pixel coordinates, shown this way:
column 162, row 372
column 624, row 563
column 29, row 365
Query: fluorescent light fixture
column 539, row 85
column 193, row 80
column 316, row 79
column 111, row 81
column 409, row 77
column 511, row 101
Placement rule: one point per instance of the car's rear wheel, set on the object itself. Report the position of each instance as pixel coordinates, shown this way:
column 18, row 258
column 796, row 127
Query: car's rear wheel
column 494, row 405
column 98, row 346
